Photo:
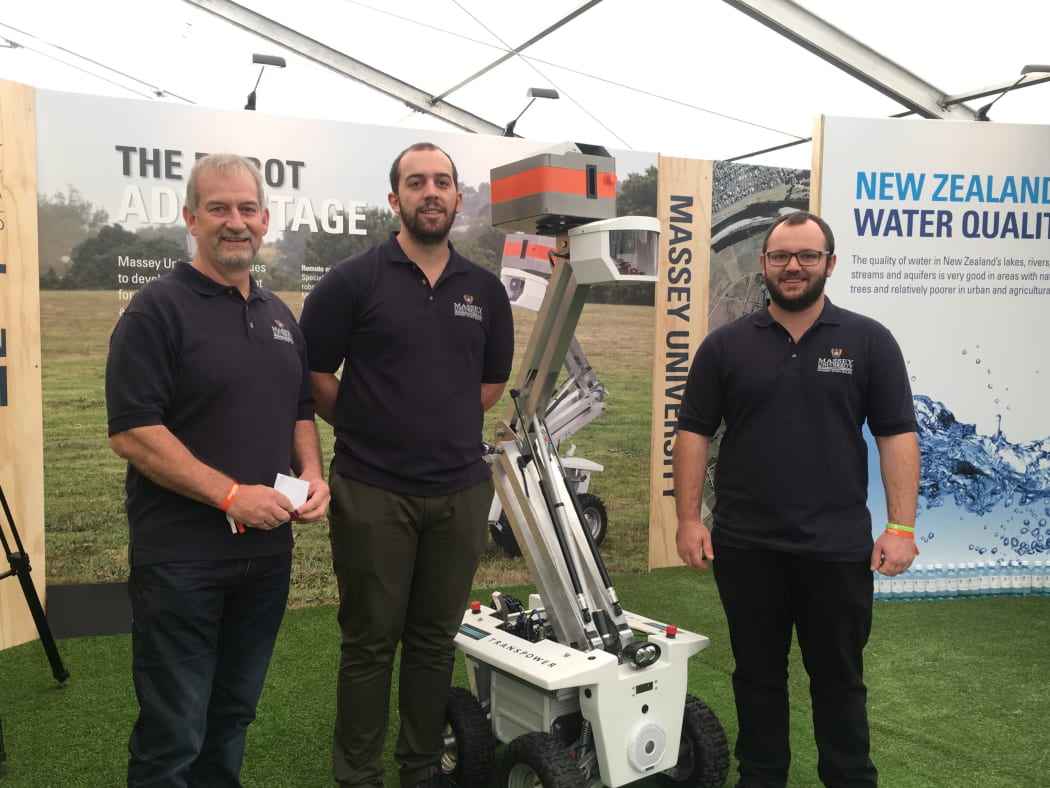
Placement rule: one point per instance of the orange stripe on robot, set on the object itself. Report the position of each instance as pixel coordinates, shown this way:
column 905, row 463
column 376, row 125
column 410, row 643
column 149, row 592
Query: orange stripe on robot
column 551, row 179
column 523, row 249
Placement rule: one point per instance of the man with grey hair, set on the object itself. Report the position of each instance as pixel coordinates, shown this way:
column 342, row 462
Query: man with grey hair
column 209, row 400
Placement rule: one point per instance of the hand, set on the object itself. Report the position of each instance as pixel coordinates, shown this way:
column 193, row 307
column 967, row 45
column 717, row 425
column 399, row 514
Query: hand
column 892, row 554
column 316, row 505
column 259, row 506
column 693, row 541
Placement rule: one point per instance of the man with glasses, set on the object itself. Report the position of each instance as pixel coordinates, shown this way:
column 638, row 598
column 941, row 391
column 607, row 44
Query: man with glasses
column 794, row 383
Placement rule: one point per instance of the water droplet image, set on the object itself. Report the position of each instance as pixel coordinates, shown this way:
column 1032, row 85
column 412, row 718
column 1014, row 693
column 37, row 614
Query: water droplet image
column 987, row 475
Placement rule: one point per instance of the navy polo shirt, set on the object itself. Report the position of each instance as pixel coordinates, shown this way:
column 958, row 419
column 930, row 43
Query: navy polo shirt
column 408, row 415
column 229, row 378
column 792, row 473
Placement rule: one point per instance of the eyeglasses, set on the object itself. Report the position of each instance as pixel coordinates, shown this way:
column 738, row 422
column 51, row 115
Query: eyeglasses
column 806, row 257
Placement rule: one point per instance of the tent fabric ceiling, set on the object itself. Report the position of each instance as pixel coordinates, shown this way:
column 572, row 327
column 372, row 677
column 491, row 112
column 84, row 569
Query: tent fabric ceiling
column 693, row 78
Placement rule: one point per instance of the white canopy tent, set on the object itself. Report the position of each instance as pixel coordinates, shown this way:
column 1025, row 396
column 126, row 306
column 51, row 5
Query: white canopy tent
column 694, row 78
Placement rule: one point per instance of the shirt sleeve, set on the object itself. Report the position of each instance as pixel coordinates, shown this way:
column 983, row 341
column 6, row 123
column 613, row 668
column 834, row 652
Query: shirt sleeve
column 891, row 408
column 701, row 410
column 140, row 373
column 327, row 320
column 499, row 348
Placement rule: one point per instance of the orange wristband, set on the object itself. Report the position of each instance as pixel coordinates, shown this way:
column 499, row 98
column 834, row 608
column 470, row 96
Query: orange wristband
column 898, row 532
column 228, row 502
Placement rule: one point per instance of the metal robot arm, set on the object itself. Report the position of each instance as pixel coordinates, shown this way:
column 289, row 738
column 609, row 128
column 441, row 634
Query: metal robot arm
column 581, row 397
column 542, row 508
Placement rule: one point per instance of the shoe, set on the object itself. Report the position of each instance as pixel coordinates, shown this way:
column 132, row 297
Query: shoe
column 438, row 780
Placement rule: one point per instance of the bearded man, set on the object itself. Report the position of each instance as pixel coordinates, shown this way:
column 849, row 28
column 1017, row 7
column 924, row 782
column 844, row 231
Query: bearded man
column 794, row 383
column 425, row 339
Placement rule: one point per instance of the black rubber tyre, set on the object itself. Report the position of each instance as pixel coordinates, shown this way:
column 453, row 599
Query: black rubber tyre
column 703, row 757
column 503, row 536
column 595, row 518
column 470, row 748
column 539, row 759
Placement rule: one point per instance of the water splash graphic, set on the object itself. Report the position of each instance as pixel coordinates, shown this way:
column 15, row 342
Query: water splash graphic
column 986, row 475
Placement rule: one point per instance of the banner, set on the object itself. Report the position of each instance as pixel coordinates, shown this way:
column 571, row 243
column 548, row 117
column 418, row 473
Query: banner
column 943, row 235
column 125, row 164
column 106, row 190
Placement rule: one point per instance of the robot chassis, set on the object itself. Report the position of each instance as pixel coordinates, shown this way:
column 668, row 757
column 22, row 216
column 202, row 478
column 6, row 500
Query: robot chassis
column 582, row 692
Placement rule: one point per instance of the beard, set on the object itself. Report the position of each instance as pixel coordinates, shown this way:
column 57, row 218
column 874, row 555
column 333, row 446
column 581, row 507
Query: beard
column 235, row 261
column 806, row 298
column 426, row 230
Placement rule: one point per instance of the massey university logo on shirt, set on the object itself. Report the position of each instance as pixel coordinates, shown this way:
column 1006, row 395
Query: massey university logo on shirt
column 282, row 334
column 468, row 309
column 836, row 363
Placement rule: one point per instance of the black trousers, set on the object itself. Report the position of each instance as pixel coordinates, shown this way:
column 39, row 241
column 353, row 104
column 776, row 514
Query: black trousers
column 765, row 595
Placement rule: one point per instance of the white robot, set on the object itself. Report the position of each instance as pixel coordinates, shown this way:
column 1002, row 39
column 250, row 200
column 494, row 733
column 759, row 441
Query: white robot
column 582, row 692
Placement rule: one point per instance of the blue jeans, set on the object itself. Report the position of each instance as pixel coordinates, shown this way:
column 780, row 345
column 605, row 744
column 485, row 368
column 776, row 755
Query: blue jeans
column 202, row 637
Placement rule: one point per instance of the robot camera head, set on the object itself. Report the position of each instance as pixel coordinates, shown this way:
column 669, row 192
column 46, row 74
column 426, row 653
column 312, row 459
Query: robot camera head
column 623, row 249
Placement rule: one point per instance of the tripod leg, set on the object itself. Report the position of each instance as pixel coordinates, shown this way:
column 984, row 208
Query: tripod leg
column 20, row 566
column 19, row 561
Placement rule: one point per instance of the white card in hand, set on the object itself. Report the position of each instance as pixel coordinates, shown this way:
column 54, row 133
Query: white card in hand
column 294, row 489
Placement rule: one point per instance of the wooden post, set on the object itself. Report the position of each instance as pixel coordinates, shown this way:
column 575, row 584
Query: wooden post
column 684, row 211
column 21, row 411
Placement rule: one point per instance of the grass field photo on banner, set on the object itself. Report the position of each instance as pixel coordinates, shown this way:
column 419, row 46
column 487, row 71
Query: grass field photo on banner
column 86, row 530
